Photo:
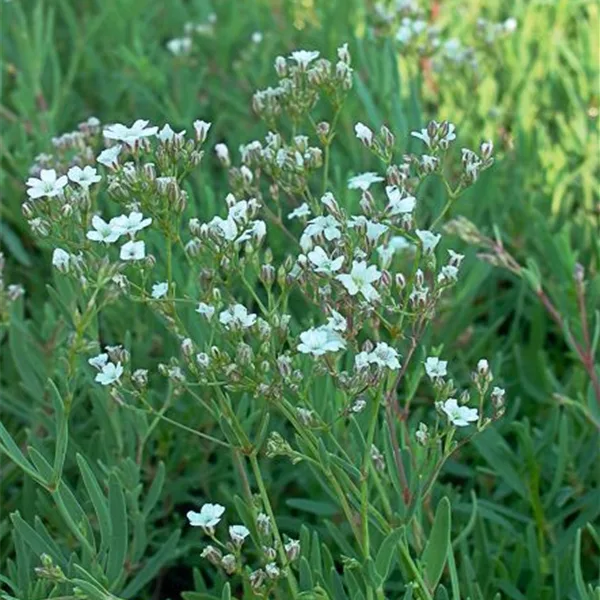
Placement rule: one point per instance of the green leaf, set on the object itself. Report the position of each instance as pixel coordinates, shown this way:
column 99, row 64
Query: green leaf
column 153, row 565
column 579, row 581
column 386, row 552
column 10, row 448
column 117, row 550
column 436, row 551
column 155, row 490
column 62, row 432
column 226, row 593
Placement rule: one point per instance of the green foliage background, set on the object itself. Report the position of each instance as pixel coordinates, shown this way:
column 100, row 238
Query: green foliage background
column 527, row 492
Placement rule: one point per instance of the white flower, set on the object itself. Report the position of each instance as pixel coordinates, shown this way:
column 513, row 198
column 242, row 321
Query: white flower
column 447, row 273
column 206, row 310
column 237, row 316
column 361, row 361
column 323, row 263
column 222, row 152
column 159, row 290
column 84, row 177
column 398, row 203
column 396, row 244
column 373, row 230
column 257, row 37
column 510, row 25
column 166, row 134
column 103, row 231
column 483, row 366
column 61, row 259
column 364, row 181
column 337, row 322
column 304, row 57
column 435, row 368
column 179, row 46
column 328, row 226
column 422, row 135
column 201, row 129
column 428, row 239
column 384, row 356
column 133, row 251
column 225, row 228
column 238, row 533
column 363, row 133
column 130, row 224
column 460, row 416
column 110, row 374
column 319, row 341
column 301, row 211
column 99, row 361
column 208, row 517
column 129, row 135
column 203, row 360
column 48, row 184
column 109, row 157
column 360, row 279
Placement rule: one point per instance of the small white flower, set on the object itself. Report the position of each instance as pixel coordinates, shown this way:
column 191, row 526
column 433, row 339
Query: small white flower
column 396, row 244
column 166, row 134
column 422, row 434
column 159, row 290
column 428, row 239
column 435, row 368
column 208, row 517
column 133, row 251
column 110, row 374
column 222, row 152
column 398, row 202
column 99, row 361
column 237, row 316
column 103, row 231
column 360, row 280
column 364, row 181
column 460, row 416
column 129, row 135
column 257, row 37
column 61, row 259
column 363, row 133
column 510, row 25
column 327, row 225
column 130, row 224
column 301, row 211
column 84, row 177
column 225, row 228
column 48, row 185
column 206, row 310
column 304, row 57
column 238, row 533
column 483, row 366
column 384, row 356
column 337, row 322
column 447, row 274
column 201, row 129
column 110, row 156
column 373, row 230
column 179, row 46
column 322, row 263
column 422, row 135
column 319, row 341
column 361, row 361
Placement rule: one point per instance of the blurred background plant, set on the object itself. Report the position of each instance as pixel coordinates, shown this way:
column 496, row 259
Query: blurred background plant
column 524, row 74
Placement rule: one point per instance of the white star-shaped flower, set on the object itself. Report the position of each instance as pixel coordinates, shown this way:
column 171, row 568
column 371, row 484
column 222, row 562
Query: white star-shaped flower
column 130, row 135
column 304, row 57
column 322, row 263
column 399, row 203
column 110, row 156
column 363, row 133
column 435, row 368
column 110, row 374
column 206, row 310
column 61, row 259
column 300, row 212
column 103, row 231
column 385, row 356
column 360, row 280
column 319, row 341
column 428, row 239
column 48, row 184
column 237, row 316
column 159, row 290
column 364, row 181
column 130, row 224
column 84, row 177
column 208, row 517
column 460, row 416
column 133, row 250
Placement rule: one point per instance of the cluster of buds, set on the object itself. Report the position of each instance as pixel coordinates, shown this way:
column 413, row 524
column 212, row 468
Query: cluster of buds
column 8, row 293
column 50, row 571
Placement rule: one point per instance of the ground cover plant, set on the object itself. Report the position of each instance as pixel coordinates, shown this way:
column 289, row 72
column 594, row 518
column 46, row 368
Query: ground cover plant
column 300, row 300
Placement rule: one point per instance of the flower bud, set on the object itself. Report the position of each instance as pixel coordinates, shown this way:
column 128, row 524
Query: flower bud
column 281, row 66
column 257, row 578
column 400, row 281
column 486, row 149
column 267, row 275
column 388, row 137
column 229, row 563
column 187, row 347
column 263, row 523
column 139, row 378
column 272, row 570
column 212, row 554
column 292, row 550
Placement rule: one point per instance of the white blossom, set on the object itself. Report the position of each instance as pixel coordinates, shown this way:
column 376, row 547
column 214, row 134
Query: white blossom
column 435, row 368
column 364, row 181
column 304, row 57
column 337, row 322
column 48, row 184
column 159, row 290
column 110, row 374
column 129, row 135
column 320, row 340
column 460, row 416
column 398, row 202
column 133, row 250
column 238, row 533
column 179, row 46
column 363, row 133
column 103, row 231
column 237, row 316
column 384, row 356
column 360, row 280
column 84, row 177
column 99, row 361
column 109, row 157
column 208, row 517
column 166, row 134
column 428, row 239
column 322, row 263
column 61, row 259
column 201, row 129
column 206, row 310
column 130, row 224
column 301, row 211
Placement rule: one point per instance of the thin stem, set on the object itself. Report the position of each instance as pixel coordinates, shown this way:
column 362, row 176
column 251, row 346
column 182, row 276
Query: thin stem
column 267, row 504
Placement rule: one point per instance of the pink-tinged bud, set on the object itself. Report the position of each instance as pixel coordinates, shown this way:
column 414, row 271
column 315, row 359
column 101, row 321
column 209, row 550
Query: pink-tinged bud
column 400, row 281
column 389, row 139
